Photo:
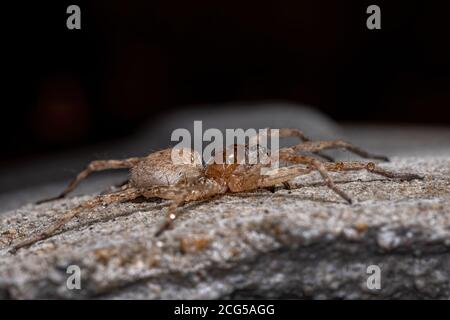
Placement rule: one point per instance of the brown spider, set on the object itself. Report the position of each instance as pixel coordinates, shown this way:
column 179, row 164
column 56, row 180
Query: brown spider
column 156, row 176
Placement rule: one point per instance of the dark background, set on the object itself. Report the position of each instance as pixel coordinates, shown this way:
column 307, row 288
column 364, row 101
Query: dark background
column 135, row 59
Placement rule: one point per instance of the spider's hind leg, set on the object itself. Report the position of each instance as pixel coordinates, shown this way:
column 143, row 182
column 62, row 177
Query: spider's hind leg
column 128, row 194
column 94, row 166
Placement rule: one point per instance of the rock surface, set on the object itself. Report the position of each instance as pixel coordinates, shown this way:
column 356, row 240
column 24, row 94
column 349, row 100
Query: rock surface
column 303, row 243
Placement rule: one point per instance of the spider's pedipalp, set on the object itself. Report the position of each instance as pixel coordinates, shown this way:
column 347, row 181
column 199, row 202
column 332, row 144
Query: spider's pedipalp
column 94, row 166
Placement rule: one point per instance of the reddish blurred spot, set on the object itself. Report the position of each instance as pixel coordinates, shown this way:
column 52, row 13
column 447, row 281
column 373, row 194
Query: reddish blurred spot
column 62, row 113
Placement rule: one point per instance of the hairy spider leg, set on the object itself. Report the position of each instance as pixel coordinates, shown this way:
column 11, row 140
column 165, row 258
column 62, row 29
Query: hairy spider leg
column 179, row 194
column 293, row 132
column 182, row 193
column 126, row 195
column 94, row 166
column 316, row 146
column 370, row 167
column 288, row 155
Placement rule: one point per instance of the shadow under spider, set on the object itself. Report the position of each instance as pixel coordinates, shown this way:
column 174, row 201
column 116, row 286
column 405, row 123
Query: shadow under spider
column 283, row 195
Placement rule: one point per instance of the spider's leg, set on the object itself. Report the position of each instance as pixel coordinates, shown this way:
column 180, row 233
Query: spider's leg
column 182, row 193
column 287, row 185
column 289, row 155
column 293, row 132
column 316, row 146
column 94, row 166
column 286, row 155
column 371, row 167
column 128, row 194
column 320, row 167
column 178, row 200
column 281, row 175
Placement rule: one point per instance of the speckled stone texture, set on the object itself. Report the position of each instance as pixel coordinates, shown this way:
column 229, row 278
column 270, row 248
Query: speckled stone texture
column 304, row 243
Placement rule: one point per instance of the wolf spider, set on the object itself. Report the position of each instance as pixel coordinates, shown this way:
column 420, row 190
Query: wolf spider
column 156, row 176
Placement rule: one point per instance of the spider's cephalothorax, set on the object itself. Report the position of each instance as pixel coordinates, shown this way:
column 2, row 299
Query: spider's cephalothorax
column 178, row 175
column 238, row 167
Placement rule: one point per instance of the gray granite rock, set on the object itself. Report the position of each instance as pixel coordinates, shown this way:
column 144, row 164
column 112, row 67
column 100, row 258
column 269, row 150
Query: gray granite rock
column 304, row 243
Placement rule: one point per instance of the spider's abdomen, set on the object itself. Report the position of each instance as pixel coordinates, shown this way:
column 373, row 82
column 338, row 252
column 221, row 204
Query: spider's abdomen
column 162, row 168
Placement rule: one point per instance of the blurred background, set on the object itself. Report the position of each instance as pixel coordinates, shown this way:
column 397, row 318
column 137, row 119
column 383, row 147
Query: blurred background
column 133, row 61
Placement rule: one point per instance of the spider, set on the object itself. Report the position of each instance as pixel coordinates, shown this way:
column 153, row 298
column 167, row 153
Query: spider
column 156, row 176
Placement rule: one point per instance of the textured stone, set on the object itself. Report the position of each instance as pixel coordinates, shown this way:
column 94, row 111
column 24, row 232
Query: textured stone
column 305, row 243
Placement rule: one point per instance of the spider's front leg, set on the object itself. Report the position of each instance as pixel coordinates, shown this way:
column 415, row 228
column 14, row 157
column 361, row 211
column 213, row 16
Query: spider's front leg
column 254, row 179
column 293, row 132
column 370, row 167
column 289, row 155
column 317, row 146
